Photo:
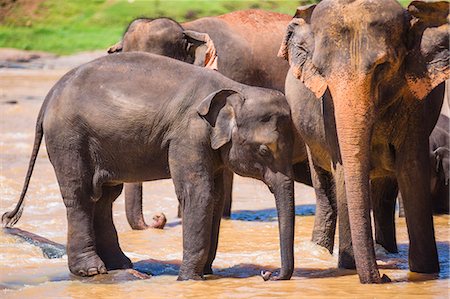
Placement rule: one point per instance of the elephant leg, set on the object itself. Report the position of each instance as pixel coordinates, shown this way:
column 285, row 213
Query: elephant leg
column 346, row 257
column 81, row 251
column 106, row 240
column 384, row 192
column 227, row 195
column 219, row 182
column 133, row 206
column 194, row 185
column 412, row 165
column 76, row 189
column 326, row 210
column 227, row 192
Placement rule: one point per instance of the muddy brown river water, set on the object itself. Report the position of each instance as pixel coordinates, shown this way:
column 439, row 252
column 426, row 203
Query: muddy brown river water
column 248, row 242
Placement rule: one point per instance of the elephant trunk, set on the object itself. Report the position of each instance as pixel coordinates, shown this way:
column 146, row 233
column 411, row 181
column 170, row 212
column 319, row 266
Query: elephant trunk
column 282, row 187
column 354, row 123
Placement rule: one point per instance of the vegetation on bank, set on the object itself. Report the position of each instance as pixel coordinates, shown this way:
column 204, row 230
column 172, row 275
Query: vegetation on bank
column 69, row 26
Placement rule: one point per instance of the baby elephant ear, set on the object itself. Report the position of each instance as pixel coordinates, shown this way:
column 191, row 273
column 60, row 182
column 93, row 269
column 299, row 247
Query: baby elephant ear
column 427, row 62
column 202, row 48
column 218, row 109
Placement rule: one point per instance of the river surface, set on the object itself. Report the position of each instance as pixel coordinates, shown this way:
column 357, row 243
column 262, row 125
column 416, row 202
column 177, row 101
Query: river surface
column 248, row 242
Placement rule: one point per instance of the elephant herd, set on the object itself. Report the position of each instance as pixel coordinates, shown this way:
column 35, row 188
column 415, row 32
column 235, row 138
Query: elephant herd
column 342, row 97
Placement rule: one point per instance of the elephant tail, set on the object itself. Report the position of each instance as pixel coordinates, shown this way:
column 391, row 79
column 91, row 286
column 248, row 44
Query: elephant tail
column 10, row 218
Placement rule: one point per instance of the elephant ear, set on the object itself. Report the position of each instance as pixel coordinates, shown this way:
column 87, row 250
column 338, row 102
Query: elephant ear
column 218, row 109
column 116, row 48
column 201, row 48
column 427, row 62
column 298, row 49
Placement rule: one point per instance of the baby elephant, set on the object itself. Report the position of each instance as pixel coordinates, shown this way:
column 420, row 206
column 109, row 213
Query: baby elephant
column 138, row 117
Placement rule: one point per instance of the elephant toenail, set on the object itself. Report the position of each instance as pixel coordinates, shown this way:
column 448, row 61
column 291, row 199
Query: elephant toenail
column 82, row 273
column 92, row 271
column 103, row 270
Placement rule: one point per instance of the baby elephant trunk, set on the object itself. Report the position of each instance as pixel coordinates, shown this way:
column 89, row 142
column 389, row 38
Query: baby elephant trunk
column 282, row 187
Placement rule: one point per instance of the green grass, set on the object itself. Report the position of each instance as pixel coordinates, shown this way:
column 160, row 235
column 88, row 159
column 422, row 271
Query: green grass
column 69, row 26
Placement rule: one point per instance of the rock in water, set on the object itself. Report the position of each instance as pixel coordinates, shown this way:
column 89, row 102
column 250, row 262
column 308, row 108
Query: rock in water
column 50, row 249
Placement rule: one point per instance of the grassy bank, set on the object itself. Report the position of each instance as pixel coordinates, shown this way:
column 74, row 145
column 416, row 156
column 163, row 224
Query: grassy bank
column 65, row 27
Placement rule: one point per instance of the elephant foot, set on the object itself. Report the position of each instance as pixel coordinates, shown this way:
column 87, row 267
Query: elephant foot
column 426, row 266
column 375, row 278
column 139, row 224
column 87, row 265
column 326, row 243
column 189, row 276
column 159, row 221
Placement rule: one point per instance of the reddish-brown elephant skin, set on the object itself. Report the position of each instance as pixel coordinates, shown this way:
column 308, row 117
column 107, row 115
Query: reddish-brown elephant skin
column 366, row 87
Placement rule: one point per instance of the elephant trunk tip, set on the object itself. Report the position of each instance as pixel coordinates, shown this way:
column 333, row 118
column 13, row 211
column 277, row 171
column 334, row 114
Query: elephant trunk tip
column 11, row 218
column 266, row 275
column 159, row 221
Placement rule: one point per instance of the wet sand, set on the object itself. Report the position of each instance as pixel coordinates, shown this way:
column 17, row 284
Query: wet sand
column 248, row 242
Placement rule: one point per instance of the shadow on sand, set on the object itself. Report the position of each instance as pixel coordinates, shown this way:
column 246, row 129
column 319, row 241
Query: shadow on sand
column 388, row 261
column 171, row 268
column 265, row 215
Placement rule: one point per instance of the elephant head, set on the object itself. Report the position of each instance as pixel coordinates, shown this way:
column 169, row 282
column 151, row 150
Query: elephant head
column 367, row 54
column 252, row 129
column 440, row 172
column 167, row 37
column 441, row 157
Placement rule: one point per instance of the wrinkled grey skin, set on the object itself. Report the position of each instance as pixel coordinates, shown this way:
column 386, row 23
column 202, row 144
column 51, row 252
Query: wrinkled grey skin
column 247, row 60
column 365, row 88
column 440, row 167
column 141, row 117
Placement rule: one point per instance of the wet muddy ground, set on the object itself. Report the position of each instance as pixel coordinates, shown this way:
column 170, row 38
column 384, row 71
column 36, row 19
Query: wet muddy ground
column 248, row 242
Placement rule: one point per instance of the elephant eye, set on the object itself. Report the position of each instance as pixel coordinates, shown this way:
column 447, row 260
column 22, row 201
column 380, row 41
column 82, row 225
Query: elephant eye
column 382, row 67
column 266, row 118
column 264, row 150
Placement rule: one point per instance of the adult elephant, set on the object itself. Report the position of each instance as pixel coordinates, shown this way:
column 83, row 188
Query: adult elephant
column 241, row 45
column 365, row 88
